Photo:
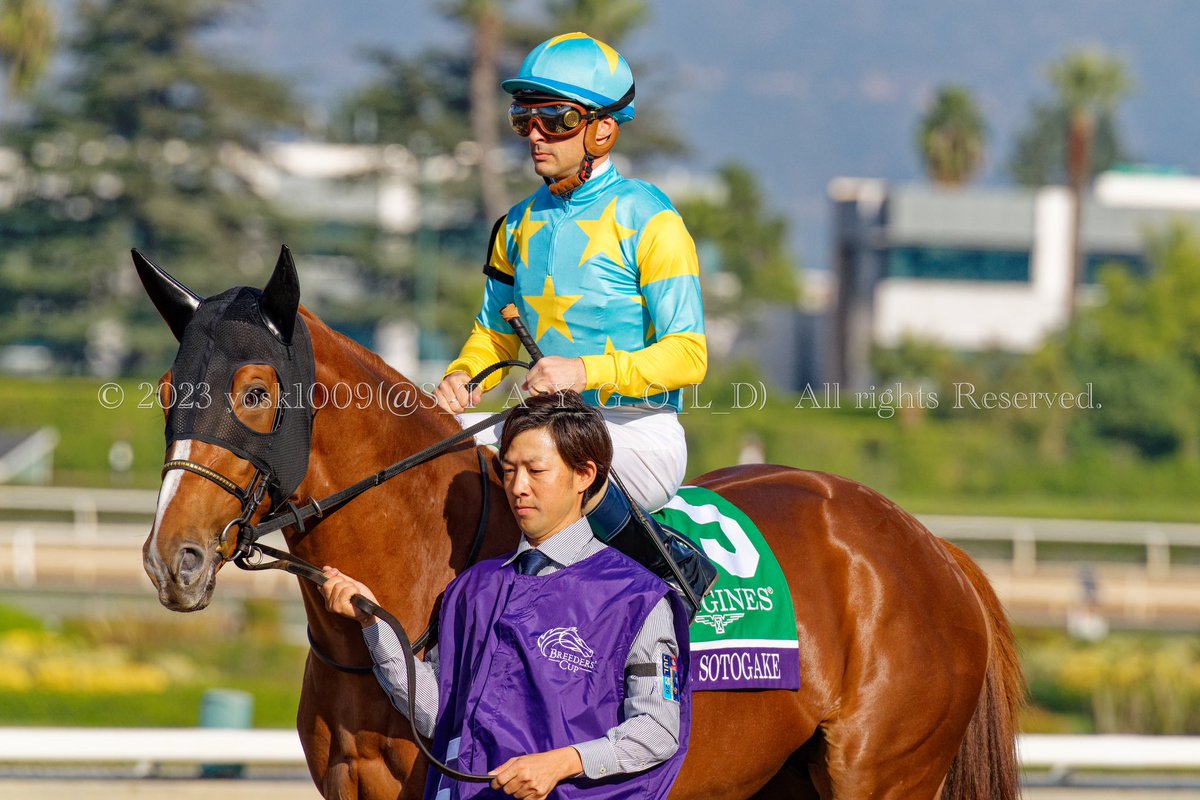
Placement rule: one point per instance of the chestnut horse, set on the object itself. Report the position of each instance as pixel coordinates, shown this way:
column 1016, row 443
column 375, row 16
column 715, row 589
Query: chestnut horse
column 910, row 684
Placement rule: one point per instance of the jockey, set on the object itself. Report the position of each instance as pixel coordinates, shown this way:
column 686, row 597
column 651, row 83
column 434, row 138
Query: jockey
column 605, row 272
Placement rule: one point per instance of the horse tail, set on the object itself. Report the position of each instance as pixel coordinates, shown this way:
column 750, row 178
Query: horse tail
column 986, row 764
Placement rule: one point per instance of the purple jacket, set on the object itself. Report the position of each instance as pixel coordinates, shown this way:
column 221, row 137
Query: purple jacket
column 530, row 664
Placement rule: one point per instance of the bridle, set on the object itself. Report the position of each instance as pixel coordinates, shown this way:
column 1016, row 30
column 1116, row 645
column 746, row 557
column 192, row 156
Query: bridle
column 249, row 498
column 248, row 552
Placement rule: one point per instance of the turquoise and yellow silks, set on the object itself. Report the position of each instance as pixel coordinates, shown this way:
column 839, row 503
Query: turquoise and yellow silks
column 608, row 274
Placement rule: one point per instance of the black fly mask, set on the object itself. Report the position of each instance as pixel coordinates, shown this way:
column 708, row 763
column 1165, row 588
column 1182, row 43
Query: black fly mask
column 217, row 337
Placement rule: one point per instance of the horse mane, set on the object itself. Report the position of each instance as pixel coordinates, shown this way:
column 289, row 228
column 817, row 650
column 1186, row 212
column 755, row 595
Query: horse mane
column 370, row 359
column 445, row 424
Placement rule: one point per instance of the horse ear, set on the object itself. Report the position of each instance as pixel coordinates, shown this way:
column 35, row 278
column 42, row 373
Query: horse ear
column 281, row 297
column 175, row 302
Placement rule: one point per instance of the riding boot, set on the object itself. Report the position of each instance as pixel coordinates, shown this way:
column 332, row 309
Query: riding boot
column 663, row 551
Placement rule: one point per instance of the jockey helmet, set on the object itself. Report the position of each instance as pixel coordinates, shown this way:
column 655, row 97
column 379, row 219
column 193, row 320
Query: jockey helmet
column 577, row 67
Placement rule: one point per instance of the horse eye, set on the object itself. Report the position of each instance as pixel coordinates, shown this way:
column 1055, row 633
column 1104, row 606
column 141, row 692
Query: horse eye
column 254, row 397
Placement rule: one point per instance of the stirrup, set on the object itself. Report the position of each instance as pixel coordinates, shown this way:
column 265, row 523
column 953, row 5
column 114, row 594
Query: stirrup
column 662, row 550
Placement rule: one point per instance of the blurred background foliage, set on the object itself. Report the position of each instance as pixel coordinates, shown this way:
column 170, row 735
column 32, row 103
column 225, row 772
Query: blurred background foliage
column 148, row 140
column 126, row 672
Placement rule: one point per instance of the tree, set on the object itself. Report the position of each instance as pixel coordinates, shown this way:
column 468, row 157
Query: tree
column 749, row 241
column 424, row 97
column 950, row 137
column 146, row 144
column 26, row 42
column 444, row 92
column 1039, row 156
column 445, row 102
column 487, row 29
column 435, row 101
column 609, row 21
column 1088, row 84
column 1141, row 350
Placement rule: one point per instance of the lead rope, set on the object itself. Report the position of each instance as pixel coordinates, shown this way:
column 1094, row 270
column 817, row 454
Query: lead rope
column 249, row 547
column 301, row 568
column 430, row 633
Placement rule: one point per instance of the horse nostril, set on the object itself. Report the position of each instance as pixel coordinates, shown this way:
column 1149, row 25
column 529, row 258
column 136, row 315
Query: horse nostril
column 191, row 560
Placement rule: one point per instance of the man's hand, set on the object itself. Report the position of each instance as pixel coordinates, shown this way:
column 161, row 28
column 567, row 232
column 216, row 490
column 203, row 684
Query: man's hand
column 535, row 776
column 451, row 394
column 338, row 589
column 555, row 374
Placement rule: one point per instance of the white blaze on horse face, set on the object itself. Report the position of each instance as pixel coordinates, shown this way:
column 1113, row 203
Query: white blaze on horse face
column 166, row 493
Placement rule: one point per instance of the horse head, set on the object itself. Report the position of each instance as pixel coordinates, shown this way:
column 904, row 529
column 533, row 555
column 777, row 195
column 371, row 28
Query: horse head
column 238, row 408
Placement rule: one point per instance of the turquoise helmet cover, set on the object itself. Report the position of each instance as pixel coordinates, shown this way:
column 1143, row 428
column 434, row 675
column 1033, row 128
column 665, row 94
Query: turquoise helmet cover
column 579, row 68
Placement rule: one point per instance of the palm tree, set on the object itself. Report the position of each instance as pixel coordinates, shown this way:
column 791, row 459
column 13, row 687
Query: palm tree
column 1089, row 83
column 951, row 136
column 607, row 20
column 26, row 42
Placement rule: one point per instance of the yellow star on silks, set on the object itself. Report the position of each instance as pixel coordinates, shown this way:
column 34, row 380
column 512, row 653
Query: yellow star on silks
column 604, row 235
column 551, row 309
column 525, row 232
column 641, row 301
column 607, row 390
column 609, row 53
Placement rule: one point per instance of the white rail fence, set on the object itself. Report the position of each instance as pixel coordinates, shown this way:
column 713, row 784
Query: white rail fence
column 81, row 514
column 1156, row 538
column 90, row 540
column 146, row 746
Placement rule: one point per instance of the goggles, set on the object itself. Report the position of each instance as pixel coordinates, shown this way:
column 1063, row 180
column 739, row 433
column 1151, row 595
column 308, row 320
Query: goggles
column 557, row 119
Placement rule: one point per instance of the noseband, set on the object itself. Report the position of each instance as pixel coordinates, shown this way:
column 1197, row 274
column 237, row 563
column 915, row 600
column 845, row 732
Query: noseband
column 249, row 498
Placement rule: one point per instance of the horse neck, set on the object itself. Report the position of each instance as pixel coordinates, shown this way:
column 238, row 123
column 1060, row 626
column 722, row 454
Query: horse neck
column 401, row 537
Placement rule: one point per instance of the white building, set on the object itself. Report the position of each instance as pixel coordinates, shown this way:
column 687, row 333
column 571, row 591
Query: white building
column 979, row 268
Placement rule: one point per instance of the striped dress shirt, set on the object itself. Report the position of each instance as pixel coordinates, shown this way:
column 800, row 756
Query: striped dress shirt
column 649, row 732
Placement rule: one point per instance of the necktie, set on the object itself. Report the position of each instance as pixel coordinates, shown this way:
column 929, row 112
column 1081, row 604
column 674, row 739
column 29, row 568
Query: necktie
column 531, row 562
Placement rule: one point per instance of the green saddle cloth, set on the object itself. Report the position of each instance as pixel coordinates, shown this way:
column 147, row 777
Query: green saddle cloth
column 744, row 635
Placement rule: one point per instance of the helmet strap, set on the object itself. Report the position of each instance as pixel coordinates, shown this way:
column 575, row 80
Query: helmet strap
column 591, row 151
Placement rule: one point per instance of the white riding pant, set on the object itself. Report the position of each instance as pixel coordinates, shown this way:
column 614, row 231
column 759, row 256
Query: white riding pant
column 649, row 450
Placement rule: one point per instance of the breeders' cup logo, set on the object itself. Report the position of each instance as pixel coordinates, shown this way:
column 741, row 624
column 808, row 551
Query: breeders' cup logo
column 566, row 647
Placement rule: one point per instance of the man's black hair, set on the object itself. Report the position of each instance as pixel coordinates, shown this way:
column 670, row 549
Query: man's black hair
column 577, row 429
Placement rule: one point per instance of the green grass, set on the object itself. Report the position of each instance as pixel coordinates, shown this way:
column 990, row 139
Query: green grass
column 87, row 428
column 971, row 466
column 275, row 703
column 1133, row 509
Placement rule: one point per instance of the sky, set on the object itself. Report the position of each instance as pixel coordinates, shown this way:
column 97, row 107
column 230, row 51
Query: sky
column 802, row 92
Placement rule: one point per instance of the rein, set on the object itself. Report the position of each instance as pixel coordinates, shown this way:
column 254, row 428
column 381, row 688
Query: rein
column 249, row 535
column 422, row 642
column 248, row 547
column 298, row 566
